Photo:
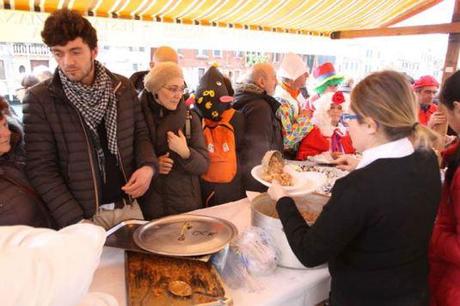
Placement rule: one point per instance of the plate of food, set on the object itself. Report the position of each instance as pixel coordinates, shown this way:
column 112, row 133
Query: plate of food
column 273, row 167
column 325, row 158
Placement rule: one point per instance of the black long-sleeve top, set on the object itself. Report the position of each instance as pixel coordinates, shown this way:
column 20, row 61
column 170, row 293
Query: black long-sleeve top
column 373, row 232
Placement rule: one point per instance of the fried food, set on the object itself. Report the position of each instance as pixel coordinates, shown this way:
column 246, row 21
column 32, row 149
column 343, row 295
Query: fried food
column 273, row 165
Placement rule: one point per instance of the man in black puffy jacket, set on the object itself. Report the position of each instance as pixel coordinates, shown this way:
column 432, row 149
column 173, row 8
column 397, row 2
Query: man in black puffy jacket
column 262, row 129
column 88, row 152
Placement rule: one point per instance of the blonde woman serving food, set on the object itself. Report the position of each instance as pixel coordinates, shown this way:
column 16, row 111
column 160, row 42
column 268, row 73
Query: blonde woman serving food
column 375, row 229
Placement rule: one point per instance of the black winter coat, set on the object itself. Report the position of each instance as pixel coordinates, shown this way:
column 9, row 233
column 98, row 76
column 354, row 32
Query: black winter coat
column 61, row 162
column 19, row 203
column 179, row 190
column 262, row 130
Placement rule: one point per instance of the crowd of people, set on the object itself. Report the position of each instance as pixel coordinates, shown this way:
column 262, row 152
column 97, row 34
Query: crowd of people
column 96, row 147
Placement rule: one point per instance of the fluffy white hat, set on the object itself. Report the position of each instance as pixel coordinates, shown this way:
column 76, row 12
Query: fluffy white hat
column 292, row 67
column 321, row 117
column 161, row 74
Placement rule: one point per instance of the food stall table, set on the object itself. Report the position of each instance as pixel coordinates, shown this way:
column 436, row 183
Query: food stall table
column 283, row 287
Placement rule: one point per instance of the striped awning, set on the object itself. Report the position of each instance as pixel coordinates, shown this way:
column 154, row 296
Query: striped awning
column 313, row 17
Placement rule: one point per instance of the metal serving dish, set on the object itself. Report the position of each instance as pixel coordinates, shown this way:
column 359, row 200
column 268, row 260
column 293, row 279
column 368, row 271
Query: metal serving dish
column 185, row 235
column 121, row 235
column 265, row 216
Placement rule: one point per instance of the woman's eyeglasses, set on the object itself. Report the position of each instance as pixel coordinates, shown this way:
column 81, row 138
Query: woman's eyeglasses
column 175, row 89
column 345, row 118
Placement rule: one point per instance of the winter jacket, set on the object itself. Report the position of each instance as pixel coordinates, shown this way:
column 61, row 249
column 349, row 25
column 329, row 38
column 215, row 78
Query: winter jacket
column 61, row 159
column 445, row 241
column 262, row 131
column 179, row 190
column 19, row 203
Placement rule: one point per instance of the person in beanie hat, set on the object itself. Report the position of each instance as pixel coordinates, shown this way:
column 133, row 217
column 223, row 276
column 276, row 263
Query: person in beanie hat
column 426, row 88
column 329, row 134
column 294, row 116
column 178, row 141
column 223, row 131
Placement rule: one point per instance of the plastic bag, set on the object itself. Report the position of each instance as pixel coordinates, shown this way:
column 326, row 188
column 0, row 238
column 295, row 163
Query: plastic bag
column 251, row 254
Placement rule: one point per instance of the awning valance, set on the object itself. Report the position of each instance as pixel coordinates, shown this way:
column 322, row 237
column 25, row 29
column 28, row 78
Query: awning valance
column 313, row 17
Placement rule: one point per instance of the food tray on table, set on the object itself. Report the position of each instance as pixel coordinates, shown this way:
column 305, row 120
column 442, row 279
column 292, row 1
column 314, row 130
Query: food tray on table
column 155, row 280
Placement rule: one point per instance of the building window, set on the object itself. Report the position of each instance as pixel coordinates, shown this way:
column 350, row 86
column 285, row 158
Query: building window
column 201, row 72
column 2, row 70
column 202, row 53
column 217, row 53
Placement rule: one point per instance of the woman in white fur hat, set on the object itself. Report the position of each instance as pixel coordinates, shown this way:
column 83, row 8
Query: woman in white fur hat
column 178, row 141
column 328, row 134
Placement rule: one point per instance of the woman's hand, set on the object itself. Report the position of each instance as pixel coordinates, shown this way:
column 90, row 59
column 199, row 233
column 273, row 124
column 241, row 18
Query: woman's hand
column 346, row 162
column 165, row 163
column 178, row 144
column 276, row 191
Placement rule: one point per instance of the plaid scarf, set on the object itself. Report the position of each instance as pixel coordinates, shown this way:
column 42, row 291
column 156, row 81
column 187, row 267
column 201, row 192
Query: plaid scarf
column 94, row 103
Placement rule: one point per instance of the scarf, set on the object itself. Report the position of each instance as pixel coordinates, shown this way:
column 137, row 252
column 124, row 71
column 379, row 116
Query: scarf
column 94, row 103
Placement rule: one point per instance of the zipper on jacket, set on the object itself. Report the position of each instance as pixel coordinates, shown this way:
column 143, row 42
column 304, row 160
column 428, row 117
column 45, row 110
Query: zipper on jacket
column 122, row 168
column 90, row 161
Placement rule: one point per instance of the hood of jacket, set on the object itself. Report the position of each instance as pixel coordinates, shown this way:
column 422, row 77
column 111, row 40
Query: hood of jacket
column 247, row 92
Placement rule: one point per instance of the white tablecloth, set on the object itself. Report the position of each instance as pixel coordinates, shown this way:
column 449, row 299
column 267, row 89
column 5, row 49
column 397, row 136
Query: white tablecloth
column 284, row 287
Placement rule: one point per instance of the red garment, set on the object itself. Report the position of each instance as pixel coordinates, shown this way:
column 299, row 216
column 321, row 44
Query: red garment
column 424, row 116
column 444, row 250
column 315, row 143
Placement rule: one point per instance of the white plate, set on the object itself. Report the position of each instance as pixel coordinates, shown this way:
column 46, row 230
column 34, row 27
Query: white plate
column 312, row 181
column 303, row 182
column 323, row 158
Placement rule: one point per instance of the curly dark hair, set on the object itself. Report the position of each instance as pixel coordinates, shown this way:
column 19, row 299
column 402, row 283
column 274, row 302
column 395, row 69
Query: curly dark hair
column 66, row 25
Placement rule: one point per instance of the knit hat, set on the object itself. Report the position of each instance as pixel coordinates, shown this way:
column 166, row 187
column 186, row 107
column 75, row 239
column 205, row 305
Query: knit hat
column 426, row 80
column 213, row 94
column 325, row 75
column 292, row 67
column 161, row 74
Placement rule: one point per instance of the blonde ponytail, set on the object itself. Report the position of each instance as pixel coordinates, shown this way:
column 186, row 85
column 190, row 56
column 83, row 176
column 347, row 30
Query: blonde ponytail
column 424, row 137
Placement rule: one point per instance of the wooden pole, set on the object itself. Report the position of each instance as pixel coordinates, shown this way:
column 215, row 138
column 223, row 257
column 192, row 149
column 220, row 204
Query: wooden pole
column 453, row 27
column 450, row 65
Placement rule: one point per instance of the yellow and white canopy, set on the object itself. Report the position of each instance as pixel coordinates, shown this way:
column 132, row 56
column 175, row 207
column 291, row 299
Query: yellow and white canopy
column 313, row 17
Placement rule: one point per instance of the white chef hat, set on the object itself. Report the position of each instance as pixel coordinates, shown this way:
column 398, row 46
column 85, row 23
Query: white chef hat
column 292, row 66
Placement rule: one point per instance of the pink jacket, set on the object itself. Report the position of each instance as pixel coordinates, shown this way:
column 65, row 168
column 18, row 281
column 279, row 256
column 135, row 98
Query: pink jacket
column 444, row 250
